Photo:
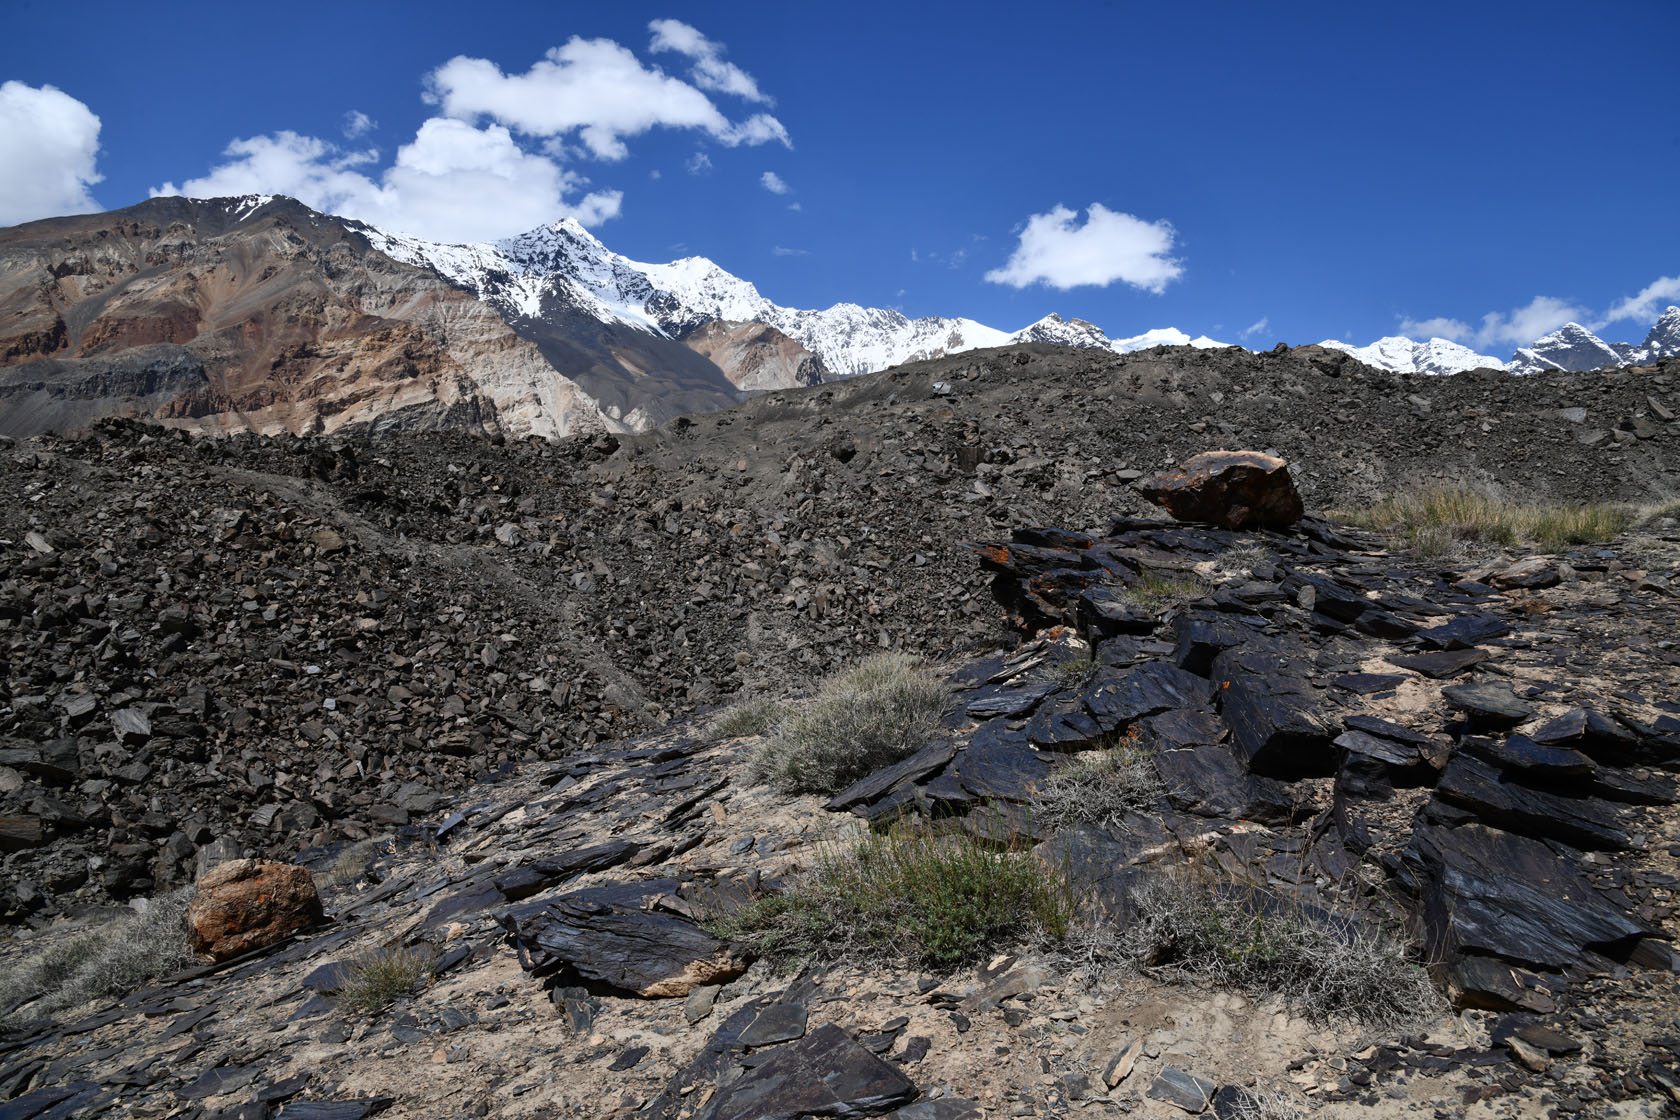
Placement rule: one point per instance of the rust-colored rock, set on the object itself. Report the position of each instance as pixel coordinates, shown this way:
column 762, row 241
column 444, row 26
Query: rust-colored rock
column 1231, row 489
column 246, row 904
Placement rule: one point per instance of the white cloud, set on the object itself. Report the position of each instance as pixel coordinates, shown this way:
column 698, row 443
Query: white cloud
column 1455, row 329
column 774, row 183
column 1110, row 246
column 699, row 163
column 595, row 88
column 710, row 71
column 784, row 251
column 1651, row 301
column 1256, row 327
column 49, row 142
column 795, row 207
column 453, row 182
column 358, row 123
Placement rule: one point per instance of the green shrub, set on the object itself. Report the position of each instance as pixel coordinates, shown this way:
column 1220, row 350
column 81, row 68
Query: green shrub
column 111, row 960
column 911, row 894
column 1325, row 962
column 1433, row 519
column 871, row 716
column 749, row 717
column 1099, row 786
column 377, row 979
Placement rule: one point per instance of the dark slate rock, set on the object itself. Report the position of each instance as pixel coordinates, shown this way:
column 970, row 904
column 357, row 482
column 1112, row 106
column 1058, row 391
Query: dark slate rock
column 1583, row 821
column 1012, row 700
column 1182, row 727
column 823, row 1074
column 1367, row 683
column 1363, row 776
column 33, row 1104
column 1003, row 824
column 1593, row 732
column 1210, row 782
column 1103, row 612
column 283, row 1090
column 905, row 801
column 1389, row 730
column 1331, row 598
column 522, row 883
column 1064, row 725
column 1199, row 637
column 328, row 978
column 998, row 762
column 1620, row 785
column 1271, row 708
column 604, row 935
column 628, row 1059
column 1464, row 631
column 1186, row 1090
column 479, row 894
column 1386, row 625
column 929, row 760
column 779, row 1022
column 222, row 1079
column 1439, row 666
column 1102, row 863
column 1400, row 755
column 940, row 1108
column 1487, row 982
column 1489, row 892
column 1117, row 697
column 333, row 1110
column 1490, row 704
column 1533, row 759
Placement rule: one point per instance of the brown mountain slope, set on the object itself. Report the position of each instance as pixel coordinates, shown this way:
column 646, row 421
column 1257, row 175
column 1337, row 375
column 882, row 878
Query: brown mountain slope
column 217, row 317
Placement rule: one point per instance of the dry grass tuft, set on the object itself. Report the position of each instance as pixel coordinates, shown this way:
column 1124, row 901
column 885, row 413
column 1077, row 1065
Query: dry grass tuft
column 749, row 717
column 938, row 899
column 1099, row 786
column 1436, row 521
column 378, row 979
column 110, row 960
column 1227, row 935
column 1161, row 591
column 351, row 866
column 871, row 716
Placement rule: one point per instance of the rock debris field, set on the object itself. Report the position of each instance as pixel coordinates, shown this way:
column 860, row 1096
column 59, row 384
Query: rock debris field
column 493, row 661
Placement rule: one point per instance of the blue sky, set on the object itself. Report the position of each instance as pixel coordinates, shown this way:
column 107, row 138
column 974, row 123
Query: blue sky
column 1254, row 172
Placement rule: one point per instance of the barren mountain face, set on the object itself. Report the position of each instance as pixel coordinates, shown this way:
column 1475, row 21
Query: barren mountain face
column 280, row 323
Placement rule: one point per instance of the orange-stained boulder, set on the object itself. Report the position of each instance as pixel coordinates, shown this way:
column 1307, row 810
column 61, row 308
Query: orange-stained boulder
column 1231, row 489
column 249, row 903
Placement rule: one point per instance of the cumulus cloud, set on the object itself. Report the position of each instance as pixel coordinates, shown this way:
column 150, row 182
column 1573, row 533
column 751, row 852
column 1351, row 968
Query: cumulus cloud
column 710, row 71
column 774, row 183
column 49, row 142
column 594, row 88
column 1652, row 300
column 498, row 157
column 1110, row 246
column 454, row 182
column 358, row 123
column 1455, row 329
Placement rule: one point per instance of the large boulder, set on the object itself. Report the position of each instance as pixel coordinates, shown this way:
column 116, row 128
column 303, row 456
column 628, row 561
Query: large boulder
column 246, row 904
column 1233, row 489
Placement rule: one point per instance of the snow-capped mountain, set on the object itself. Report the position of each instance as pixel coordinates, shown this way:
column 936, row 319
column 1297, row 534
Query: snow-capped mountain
column 1403, row 355
column 1571, row 347
column 565, row 264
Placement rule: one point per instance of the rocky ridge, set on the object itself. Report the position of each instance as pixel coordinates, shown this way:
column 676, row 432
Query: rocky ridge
column 262, row 644
column 1334, row 725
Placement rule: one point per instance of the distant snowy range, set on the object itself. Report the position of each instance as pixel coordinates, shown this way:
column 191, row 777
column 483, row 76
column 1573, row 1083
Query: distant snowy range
column 564, row 265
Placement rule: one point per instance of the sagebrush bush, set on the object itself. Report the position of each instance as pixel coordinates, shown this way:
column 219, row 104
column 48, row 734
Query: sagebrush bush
column 1099, row 786
column 377, row 979
column 1433, row 520
column 860, row 720
column 911, row 894
column 110, row 960
column 1325, row 962
column 753, row 716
